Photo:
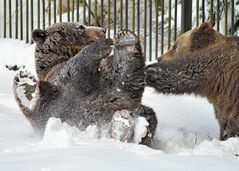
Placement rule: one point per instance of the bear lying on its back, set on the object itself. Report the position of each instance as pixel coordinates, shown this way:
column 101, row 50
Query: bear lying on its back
column 206, row 63
column 94, row 88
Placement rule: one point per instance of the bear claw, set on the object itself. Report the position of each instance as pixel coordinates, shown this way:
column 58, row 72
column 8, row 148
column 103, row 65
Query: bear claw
column 126, row 37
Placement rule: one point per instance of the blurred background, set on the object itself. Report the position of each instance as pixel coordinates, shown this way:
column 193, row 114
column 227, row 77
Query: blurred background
column 156, row 22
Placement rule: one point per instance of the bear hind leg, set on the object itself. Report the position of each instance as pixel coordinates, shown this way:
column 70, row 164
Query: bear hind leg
column 138, row 125
column 122, row 126
column 24, row 86
column 145, row 126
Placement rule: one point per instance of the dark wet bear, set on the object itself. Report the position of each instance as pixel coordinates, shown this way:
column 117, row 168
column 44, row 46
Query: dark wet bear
column 95, row 88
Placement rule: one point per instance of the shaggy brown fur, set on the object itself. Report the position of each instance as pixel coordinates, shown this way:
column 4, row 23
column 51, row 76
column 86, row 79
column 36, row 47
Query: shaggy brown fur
column 206, row 65
column 193, row 40
column 61, row 41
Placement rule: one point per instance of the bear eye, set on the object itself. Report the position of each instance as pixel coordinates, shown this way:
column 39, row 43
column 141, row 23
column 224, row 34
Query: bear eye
column 81, row 27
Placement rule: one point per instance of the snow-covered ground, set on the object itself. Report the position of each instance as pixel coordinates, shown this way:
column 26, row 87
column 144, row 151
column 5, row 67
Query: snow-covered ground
column 186, row 138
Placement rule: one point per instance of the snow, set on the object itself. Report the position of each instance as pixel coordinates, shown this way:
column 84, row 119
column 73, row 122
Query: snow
column 186, row 137
column 140, row 129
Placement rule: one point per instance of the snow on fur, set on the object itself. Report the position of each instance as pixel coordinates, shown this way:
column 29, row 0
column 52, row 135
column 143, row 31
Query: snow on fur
column 26, row 78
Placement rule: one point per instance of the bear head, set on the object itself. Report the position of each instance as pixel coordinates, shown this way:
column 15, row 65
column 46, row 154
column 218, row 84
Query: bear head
column 61, row 41
column 193, row 40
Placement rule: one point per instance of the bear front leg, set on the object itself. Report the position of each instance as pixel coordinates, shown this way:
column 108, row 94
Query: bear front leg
column 88, row 59
column 128, row 65
column 229, row 129
column 80, row 73
column 229, row 125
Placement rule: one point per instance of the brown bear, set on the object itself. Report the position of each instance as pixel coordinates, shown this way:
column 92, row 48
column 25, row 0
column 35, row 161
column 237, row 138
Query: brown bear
column 92, row 88
column 203, row 62
column 60, row 42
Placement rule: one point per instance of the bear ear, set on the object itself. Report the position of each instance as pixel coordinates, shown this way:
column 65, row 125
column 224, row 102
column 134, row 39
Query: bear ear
column 39, row 35
column 205, row 27
column 47, row 90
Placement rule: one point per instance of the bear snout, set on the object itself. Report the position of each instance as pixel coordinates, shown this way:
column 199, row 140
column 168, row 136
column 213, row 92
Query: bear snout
column 151, row 74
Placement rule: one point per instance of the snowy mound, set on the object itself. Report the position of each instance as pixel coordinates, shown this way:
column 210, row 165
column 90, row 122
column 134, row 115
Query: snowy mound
column 59, row 134
column 229, row 147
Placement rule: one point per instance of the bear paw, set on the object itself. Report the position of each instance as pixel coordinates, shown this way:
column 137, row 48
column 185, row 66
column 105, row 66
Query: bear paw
column 122, row 126
column 24, row 88
column 126, row 37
